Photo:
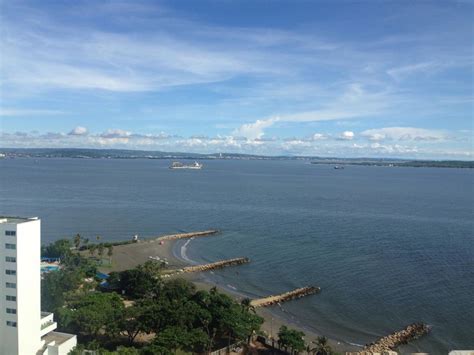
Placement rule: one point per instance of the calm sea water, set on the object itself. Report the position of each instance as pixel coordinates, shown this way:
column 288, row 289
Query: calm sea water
column 388, row 246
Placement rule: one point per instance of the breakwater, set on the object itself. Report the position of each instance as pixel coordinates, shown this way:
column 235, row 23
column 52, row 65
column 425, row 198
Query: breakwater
column 216, row 265
column 185, row 235
column 394, row 340
column 284, row 297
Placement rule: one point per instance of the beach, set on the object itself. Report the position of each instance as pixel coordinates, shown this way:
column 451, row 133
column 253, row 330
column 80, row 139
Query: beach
column 129, row 256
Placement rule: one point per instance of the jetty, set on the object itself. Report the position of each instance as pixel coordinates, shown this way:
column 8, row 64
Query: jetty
column 213, row 266
column 284, row 297
column 394, row 340
column 185, row 235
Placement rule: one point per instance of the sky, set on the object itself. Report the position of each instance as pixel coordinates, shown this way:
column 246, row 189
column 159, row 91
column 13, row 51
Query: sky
column 316, row 78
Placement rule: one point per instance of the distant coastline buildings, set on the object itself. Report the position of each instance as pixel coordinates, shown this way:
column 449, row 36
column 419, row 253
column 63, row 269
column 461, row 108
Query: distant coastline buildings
column 24, row 329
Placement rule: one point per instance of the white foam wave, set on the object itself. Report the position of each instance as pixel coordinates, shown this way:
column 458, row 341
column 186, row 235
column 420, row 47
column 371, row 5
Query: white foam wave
column 184, row 250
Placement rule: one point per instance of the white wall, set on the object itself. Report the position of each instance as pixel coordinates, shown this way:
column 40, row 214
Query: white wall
column 8, row 335
column 25, row 338
column 29, row 286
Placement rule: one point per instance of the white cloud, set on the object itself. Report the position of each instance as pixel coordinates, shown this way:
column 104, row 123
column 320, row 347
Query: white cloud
column 116, row 133
column 78, row 131
column 402, row 72
column 319, row 136
column 253, row 131
column 404, row 134
column 347, row 135
column 332, row 146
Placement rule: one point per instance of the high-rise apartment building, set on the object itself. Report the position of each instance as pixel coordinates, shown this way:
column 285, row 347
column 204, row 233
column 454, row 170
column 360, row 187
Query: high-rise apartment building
column 24, row 329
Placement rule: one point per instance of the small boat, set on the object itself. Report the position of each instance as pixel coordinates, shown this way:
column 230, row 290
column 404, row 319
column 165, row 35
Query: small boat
column 178, row 165
column 338, row 167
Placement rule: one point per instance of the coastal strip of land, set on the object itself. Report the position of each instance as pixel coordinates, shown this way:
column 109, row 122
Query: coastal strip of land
column 284, row 297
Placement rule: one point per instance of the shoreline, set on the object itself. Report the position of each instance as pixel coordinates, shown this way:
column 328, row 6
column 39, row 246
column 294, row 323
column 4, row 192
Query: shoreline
column 272, row 319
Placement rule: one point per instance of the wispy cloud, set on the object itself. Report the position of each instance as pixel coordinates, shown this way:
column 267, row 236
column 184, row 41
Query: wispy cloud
column 12, row 112
column 404, row 134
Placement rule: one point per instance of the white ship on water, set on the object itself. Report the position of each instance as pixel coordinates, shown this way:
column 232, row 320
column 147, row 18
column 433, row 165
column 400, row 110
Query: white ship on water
column 178, row 165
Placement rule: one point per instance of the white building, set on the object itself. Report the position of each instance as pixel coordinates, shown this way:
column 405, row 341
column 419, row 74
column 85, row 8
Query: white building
column 24, row 329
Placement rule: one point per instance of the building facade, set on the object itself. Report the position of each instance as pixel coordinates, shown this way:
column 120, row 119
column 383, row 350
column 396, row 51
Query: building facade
column 24, row 329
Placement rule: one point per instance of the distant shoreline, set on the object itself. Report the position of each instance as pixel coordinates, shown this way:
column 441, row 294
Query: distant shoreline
column 77, row 153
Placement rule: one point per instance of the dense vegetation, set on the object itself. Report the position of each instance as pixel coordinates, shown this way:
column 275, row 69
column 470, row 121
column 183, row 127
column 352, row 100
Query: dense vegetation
column 138, row 312
column 171, row 314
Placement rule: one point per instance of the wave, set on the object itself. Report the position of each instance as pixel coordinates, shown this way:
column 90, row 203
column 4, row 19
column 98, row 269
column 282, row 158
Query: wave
column 183, row 251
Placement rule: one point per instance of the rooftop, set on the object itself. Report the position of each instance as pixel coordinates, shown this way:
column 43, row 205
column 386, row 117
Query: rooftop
column 57, row 337
column 16, row 220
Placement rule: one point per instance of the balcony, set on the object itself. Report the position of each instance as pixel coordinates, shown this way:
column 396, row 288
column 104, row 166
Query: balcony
column 47, row 323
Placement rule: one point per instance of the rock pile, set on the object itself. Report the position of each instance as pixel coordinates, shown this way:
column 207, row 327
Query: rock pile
column 287, row 296
column 216, row 265
column 394, row 340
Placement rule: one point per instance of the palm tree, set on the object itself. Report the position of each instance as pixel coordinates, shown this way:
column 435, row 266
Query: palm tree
column 110, row 252
column 246, row 305
column 77, row 241
column 101, row 249
column 92, row 249
column 322, row 347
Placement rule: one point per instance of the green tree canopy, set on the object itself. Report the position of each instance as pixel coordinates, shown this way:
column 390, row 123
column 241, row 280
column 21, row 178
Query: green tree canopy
column 291, row 339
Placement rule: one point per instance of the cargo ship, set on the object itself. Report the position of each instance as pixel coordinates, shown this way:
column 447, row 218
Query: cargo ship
column 178, row 165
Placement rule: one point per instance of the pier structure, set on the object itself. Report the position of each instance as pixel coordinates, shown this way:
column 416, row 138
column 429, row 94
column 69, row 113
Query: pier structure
column 212, row 266
column 394, row 340
column 284, row 297
column 185, row 235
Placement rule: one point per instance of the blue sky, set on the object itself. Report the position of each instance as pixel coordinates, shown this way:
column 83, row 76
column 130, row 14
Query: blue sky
column 327, row 78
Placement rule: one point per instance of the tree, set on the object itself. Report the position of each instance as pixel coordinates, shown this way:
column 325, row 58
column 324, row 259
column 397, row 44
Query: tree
column 246, row 304
column 142, row 282
column 133, row 321
column 92, row 249
column 110, row 252
column 101, row 250
column 322, row 347
column 97, row 311
column 55, row 286
column 77, row 241
column 59, row 249
column 290, row 338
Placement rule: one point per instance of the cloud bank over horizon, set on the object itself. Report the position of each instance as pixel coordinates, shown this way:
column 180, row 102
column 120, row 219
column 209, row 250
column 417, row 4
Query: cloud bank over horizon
column 401, row 142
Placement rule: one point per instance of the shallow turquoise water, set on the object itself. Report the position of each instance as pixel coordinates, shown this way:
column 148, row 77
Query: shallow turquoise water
column 388, row 246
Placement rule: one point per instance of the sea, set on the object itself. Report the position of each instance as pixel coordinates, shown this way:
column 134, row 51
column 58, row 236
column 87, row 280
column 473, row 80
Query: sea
column 387, row 245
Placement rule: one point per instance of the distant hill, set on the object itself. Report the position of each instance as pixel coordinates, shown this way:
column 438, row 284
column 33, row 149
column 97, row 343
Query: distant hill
column 143, row 154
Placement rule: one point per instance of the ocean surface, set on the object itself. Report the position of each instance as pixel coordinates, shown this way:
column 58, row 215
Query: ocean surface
column 388, row 246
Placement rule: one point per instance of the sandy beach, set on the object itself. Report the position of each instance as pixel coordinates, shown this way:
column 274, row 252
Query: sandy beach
column 131, row 255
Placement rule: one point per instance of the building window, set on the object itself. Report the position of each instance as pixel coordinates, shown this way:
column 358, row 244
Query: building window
column 11, row 324
column 10, row 272
column 11, row 310
column 10, row 285
column 12, row 233
column 11, row 298
column 10, row 246
column 10, row 259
